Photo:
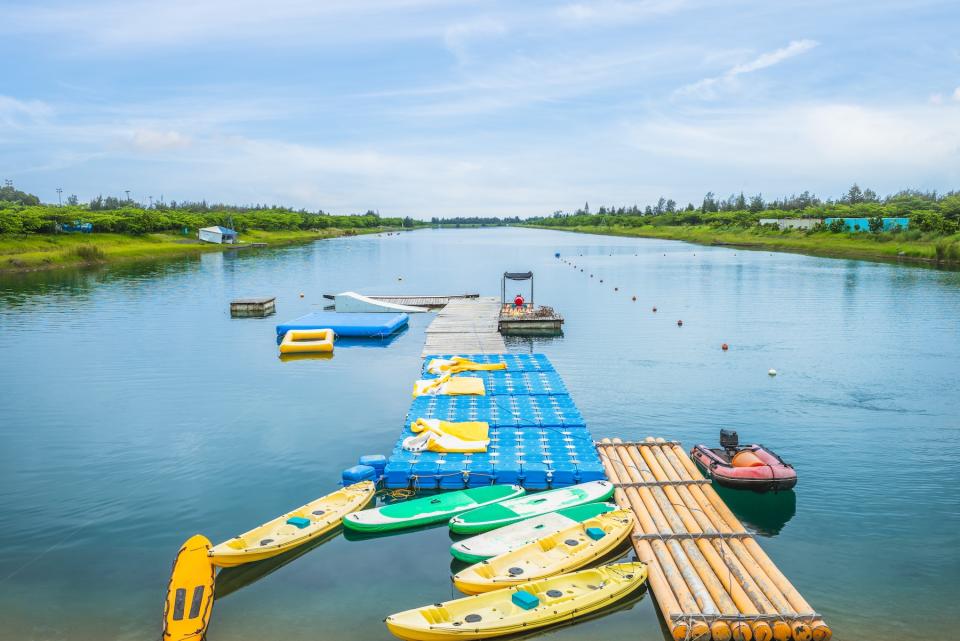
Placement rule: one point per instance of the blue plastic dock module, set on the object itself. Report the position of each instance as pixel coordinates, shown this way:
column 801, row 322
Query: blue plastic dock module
column 347, row 324
column 538, row 437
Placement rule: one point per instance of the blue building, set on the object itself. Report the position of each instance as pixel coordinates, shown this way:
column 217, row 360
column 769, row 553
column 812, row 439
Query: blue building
column 863, row 224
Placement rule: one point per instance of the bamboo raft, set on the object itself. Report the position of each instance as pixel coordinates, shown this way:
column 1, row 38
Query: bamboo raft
column 709, row 577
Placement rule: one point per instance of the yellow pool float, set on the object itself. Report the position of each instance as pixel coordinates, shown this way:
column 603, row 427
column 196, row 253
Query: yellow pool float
column 298, row 341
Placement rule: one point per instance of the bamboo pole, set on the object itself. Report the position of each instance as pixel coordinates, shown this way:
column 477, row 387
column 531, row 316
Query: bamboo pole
column 770, row 599
column 702, row 581
column 664, row 578
column 742, row 592
column 817, row 630
column 737, row 553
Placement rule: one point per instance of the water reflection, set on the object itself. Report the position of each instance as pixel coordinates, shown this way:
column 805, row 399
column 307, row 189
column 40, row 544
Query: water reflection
column 229, row 580
column 765, row 513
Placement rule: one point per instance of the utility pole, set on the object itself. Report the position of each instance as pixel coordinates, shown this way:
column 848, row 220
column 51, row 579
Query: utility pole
column 59, row 200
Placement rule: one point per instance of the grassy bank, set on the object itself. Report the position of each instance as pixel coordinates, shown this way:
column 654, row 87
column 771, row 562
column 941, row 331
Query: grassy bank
column 943, row 250
column 29, row 252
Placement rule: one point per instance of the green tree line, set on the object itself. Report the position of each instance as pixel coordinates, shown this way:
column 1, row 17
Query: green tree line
column 22, row 213
column 929, row 212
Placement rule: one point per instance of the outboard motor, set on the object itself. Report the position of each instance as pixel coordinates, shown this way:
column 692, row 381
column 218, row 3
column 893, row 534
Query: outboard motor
column 729, row 440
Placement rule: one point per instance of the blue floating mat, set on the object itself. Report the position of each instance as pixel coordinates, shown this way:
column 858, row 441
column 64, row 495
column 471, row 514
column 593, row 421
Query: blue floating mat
column 348, row 324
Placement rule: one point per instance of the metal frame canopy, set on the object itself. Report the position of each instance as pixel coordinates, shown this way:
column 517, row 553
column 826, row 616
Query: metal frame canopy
column 518, row 276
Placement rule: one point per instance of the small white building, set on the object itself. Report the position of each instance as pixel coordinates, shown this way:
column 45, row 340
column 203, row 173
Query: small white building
column 792, row 223
column 219, row 235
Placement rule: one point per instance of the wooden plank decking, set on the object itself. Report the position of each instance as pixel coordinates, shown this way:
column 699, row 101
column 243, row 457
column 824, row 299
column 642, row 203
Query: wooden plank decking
column 466, row 326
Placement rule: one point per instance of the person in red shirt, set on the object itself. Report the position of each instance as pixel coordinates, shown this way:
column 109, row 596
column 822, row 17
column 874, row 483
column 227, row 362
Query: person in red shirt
column 518, row 301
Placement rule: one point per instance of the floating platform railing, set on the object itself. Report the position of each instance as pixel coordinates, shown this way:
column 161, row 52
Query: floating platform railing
column 710, row 578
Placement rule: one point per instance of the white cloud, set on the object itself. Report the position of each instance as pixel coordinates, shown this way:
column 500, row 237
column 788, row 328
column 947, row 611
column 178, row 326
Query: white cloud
column 153, row 140
column 140, row 24
column 18, row 113
column 613, row 11
column 458, row 37
column 956, row 94
column 711, row 87
column 814, row 141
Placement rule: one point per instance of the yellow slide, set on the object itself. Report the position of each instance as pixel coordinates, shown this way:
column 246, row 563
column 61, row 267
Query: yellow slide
column 434, row 435
column 459, row 364
column 449, row 385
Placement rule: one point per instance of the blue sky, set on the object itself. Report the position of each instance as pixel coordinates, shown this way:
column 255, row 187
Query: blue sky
column 432, row 107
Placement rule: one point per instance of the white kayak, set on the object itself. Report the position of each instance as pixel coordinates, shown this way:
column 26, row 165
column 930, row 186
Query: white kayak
column 510, row 537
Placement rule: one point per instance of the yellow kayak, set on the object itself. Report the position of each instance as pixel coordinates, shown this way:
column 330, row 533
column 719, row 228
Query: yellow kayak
column 570, row 548
column 293, row 528
column 524, row 607
column 189, row 603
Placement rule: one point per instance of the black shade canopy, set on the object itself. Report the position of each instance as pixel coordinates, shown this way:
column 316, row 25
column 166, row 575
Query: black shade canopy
column 516, row 276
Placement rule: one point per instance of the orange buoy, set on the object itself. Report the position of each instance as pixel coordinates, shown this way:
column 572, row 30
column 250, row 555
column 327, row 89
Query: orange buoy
column 679, row 323
column 746, row 458
column 724, row 347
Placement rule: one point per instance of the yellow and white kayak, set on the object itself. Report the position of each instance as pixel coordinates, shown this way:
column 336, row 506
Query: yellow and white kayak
column 570, row 548
column 524, row 607
column 293, row 528
column 186, row 612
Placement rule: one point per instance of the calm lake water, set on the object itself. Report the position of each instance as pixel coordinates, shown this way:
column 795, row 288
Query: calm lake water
column 135, row 412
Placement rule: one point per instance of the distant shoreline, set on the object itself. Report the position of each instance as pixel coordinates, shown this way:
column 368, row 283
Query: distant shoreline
column 37, row 252
column 829, row 245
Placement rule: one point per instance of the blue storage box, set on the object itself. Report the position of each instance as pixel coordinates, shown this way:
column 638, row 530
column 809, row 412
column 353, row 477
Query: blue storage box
column 481, row 471
column 525, row 600
column 595, row 533
column 425, row 472
column 534, row 475
column 506, row 472
column 298, row 521
column 358, row 473
column 397, row 474
column 376, row 461
column 590, row 471
column 563, row 473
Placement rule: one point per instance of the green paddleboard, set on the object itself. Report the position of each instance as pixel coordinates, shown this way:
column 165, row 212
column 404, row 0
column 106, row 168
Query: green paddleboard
column 429, row 509
column 523, row 507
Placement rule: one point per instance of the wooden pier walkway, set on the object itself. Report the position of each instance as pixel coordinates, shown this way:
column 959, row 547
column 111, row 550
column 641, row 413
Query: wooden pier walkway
column 466, row 326
column 710, row 578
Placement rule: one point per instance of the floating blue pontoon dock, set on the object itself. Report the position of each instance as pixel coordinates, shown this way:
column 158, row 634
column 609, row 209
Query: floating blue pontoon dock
column 538, row 437
column 348, row 324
